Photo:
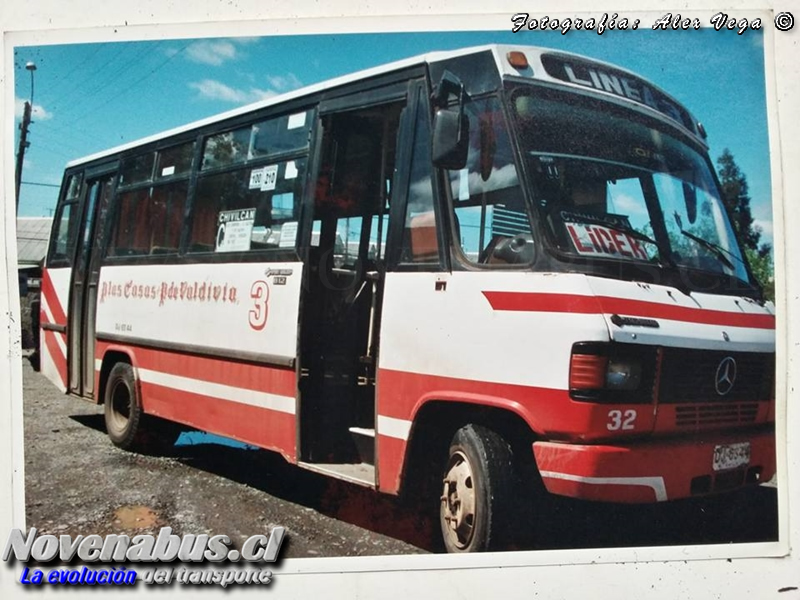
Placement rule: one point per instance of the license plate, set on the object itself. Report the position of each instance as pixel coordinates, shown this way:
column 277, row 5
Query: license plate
column 731, row 456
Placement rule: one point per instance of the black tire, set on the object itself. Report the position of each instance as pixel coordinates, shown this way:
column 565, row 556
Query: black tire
column 126, row 424
column 476, row 503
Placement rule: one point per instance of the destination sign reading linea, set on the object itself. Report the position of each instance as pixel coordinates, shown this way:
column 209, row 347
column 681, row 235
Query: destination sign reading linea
column 615, row 82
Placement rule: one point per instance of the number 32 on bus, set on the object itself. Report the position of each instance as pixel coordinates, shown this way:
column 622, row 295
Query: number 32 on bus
column 476, row 277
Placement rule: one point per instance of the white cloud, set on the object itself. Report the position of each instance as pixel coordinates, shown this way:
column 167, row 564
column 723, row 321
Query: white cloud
column 284, row 83
column 625, row 204
column 38, row 113
column 504, row 177
column 211, row 89
column 765, row 226
column 210, row 52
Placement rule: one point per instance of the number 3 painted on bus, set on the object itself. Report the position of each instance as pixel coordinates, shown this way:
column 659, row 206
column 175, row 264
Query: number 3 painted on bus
column 257, row 315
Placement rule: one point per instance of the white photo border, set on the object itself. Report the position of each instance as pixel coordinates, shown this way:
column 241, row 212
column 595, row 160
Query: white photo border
column 738, row 570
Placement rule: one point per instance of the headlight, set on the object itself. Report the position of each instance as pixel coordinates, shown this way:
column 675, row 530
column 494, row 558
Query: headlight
column 616, row 373
column 623, row 374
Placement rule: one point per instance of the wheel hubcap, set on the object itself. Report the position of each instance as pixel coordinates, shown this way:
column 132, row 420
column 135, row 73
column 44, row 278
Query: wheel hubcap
column 458, row 501
column 120, row 405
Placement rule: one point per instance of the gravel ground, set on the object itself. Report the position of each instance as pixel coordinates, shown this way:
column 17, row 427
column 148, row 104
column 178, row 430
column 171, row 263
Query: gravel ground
column 78, row 482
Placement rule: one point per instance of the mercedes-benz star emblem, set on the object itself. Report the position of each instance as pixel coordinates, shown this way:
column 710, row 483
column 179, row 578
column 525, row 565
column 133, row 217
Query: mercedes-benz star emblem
column 726, row 375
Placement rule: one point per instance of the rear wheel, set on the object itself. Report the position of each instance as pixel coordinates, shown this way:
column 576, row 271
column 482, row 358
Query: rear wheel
column 127, row 425
column 476, row 502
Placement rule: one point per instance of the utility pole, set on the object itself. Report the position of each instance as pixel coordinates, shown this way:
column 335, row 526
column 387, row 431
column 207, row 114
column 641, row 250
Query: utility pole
column 23, row 136
column 23, row 143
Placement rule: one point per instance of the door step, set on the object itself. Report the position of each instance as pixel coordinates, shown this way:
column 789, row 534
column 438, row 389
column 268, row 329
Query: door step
column 363, row 431
column 364, row 439
column 360, row 473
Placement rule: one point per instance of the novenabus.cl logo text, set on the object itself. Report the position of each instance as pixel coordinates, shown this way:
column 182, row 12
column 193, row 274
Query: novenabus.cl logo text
column 165, row 547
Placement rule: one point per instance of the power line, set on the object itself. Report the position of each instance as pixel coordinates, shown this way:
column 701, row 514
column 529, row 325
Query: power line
column 53, row 185
column 79, row 87
column 69, row 73
column 72, row 133
column 44, row 148
column 109, row 82
column 124, row 90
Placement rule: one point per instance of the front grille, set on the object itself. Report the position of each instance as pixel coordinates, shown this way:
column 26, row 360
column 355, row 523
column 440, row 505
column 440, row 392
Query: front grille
column 690, row 376
column 730, row 414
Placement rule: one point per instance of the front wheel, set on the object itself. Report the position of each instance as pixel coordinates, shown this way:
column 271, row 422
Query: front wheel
column 476, row 501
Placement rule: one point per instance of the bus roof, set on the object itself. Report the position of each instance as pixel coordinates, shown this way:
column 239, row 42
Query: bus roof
column 499, row 52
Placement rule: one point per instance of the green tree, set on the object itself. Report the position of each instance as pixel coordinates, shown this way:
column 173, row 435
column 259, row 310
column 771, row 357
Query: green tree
column 762, row 268
column 736, row 196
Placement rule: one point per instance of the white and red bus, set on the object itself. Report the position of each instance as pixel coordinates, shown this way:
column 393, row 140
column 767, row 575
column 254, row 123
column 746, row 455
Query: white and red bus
column 459, row 274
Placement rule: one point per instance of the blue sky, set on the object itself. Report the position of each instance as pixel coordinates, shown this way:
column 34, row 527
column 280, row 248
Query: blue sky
column 89, row 97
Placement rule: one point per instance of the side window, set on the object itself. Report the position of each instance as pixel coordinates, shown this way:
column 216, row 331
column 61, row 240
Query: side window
column 279, row 135
column 271, row 137
column 168, row 203
column 348, row 239
column 65, row 225
column 227, row 148
column 131, row 235
column 354, row 186
column 175, row 161
column 492, row 221
column 150, row 208
column 420, row 241
column 255, row 206
column 138, row 169
column 149, row 220
column 348, row 235
column 248, row 209
column 65, row 232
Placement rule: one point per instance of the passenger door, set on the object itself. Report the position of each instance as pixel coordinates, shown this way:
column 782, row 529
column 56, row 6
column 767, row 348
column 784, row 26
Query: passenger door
column 56, row 279
column 98, row 190
column 345, row 266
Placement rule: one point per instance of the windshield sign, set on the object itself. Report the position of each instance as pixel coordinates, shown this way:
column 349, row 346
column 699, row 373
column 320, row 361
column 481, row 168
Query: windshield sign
column 590, row 236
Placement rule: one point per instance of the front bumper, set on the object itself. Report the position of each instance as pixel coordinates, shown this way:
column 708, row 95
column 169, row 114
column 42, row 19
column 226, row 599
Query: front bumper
column 652, row 471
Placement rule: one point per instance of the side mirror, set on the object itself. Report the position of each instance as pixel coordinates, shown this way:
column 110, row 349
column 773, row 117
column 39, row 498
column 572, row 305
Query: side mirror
column 450, row 139
column 450, row 125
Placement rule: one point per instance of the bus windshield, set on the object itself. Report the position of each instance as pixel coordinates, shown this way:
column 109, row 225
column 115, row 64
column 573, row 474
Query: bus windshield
column 611, row 184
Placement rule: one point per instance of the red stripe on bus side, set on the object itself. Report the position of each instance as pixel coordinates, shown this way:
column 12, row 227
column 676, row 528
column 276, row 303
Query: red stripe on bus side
column 54, row 350
column 390, row 458
column 531, row 302
column 261, row 378
column 574, row 303
column 50, row 296
column 401, row 394
column 269, row 429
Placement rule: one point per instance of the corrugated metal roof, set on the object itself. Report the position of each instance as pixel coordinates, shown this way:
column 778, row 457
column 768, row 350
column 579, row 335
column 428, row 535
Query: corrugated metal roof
column 33, row 234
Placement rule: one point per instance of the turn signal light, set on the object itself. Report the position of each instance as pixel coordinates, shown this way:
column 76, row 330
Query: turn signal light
column 587, row 372
column 517, row 59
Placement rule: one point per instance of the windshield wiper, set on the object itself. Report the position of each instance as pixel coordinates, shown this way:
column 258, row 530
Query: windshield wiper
column 718, row 251
column 631, row 232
